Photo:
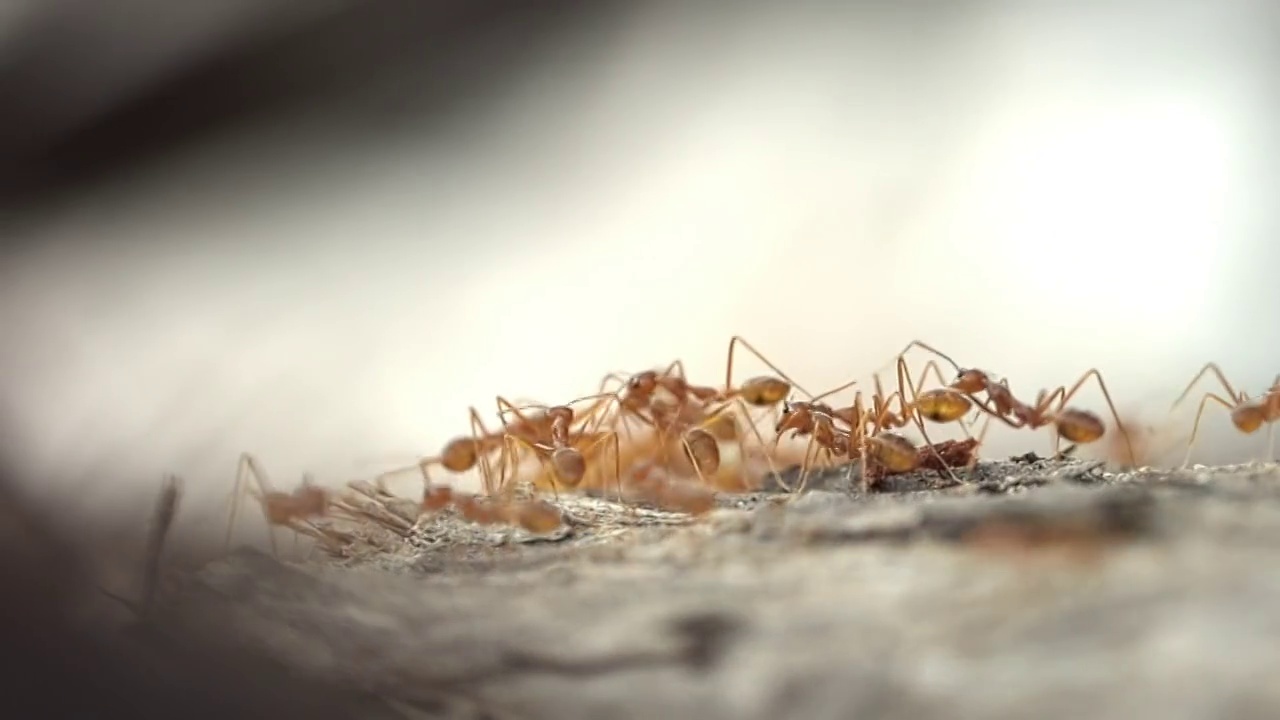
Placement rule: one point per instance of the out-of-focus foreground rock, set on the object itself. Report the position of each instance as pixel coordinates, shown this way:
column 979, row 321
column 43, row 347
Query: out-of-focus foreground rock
column 1043, row 589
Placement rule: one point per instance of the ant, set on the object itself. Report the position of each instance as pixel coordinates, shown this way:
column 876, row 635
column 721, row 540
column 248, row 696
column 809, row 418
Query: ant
column 292, row 510
column 701, row 416
column 815, row 420
column 463, row 454
column 939, row 405
column 555, row 447
column 888, row 452
column 534, row 515
column 1077, row 426
column 650, row 484
column 1246, row 415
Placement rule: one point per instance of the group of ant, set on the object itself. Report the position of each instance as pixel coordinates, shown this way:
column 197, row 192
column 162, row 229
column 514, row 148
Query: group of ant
column 661, row 440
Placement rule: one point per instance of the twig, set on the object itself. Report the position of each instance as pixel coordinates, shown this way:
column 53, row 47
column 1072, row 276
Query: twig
column 161, row 521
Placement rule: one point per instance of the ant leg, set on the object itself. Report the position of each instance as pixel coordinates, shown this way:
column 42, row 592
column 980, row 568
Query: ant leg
column 919, row 344
column 1045, row 401
column 771, row 448
column 608, row 438
column 675, row 369
column 728, row 372
column 601, row 404
column 479, row 431
column 511, row 452
column 237, row 492
column 250, row 469
column 741, row 406
column 924, row 373
column 1217, row 372
column 1093, row 372
column 1195, row 429
column 507, row 407
column 834, row 390
column 905, row 384
column 986, row 425
column 804, row 465
column 693, row 460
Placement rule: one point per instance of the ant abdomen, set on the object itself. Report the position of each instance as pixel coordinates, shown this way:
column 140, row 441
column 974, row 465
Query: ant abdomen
column 537, row 516
column 703, row 450
column 943, row 405
column 764, row 391
column 460, row 455
column 893, row 452
column 722, row 427
column 569, row 465
column 1248, row 418
column 1079, row 426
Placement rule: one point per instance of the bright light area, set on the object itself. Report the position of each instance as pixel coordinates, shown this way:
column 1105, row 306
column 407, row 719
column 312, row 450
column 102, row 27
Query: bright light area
column 1115, row 208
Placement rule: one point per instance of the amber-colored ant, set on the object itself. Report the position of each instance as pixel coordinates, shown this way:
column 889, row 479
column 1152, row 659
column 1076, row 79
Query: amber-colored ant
column 1077, row 426
column 816, row 421
column 556, row 448
column 463, row 454
column 887, row 452
column 291, row 510
column 650, row 484
column 1248, row 416
column 700, row 416
column 534, row 515
column 941, row 405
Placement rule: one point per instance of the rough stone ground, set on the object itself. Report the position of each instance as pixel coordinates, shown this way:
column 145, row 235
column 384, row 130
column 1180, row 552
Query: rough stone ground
column 1047, row 589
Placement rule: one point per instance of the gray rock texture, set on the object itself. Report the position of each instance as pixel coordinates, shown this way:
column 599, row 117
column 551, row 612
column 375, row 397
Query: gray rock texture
column 1046, row 589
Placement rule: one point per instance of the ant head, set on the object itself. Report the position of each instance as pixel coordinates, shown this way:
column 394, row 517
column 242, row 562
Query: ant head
column 970, row 380
column 793, row 414
column 559, row 413
column 643, row 382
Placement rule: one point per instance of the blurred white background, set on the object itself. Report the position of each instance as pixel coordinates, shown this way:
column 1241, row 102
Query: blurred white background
column 1035, row 191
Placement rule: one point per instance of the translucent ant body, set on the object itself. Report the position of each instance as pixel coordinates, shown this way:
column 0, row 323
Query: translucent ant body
column 293, row 510
column 534, row 515
column 1248, row 416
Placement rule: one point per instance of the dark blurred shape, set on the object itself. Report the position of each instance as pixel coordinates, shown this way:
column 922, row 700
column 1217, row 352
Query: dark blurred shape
column 380, row 64
column 58, row 663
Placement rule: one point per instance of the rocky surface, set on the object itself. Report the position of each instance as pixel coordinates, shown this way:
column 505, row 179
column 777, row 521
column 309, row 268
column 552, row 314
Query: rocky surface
column 1032, row 589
